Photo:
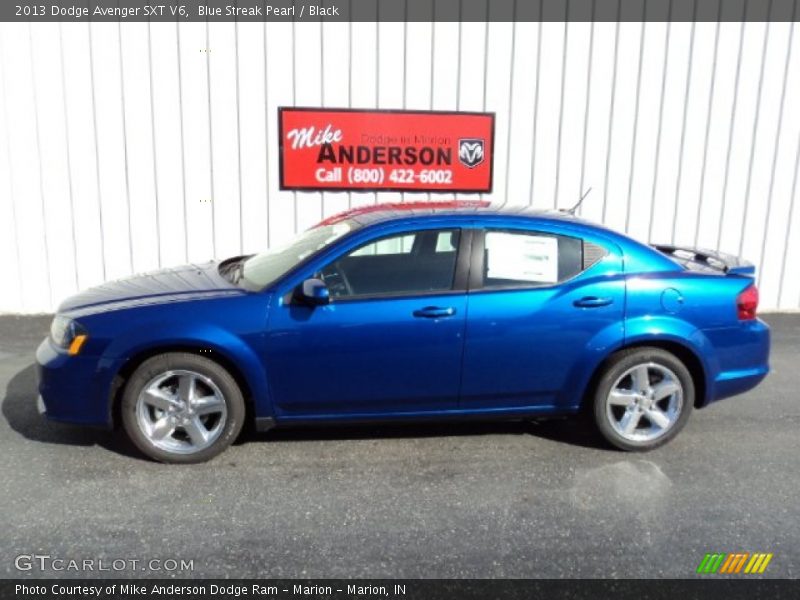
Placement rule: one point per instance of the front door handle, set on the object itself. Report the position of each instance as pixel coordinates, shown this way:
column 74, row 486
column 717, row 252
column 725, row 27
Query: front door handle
column 592, row 302
column 434, row 312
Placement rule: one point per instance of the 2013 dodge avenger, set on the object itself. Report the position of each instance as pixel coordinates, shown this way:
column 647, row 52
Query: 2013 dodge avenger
column 410, row 311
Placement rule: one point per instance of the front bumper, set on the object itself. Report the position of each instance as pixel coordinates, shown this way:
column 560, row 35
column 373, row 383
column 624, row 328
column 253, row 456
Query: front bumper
column 71, row 388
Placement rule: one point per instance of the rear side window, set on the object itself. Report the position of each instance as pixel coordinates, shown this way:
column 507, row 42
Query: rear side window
column 517, row 258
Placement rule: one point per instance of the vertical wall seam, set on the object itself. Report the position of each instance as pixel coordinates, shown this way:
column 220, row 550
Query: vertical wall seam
column 458, row 63
column 238, row 133
column 322, row 60
column 775, row 150
column 561, row 102
column 211, row 146
column 635, row 120
column 485, row 56
column 153, row 141
column 68, row 154
column 322, row 94
column 294, row 103
column 611, row 112
column 686, row 91
column 183, row 143
column 377, row 67
column 712, row 89
column 125, row 146
column 37, row 132
column 433, row 62
column 586, row 106
column 657, row 155
column 405, row 67
column 734, row 106
column 485, row 65
column 789, row 218
column 266, row 130
column 511, row 94
column 756, row 120
column 535, row 106
column 350, row 79
column 433, row 53
column 96, row 151
column 458, row 60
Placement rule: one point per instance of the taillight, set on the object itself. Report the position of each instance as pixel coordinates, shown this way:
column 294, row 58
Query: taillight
column 747, row 304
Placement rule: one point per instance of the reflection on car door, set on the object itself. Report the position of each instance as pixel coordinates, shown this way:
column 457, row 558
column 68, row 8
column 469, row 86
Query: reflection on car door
column 390, row 341
column 536, row 302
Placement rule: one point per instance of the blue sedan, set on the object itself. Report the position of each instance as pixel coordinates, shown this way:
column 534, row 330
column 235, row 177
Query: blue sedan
column 412, row 311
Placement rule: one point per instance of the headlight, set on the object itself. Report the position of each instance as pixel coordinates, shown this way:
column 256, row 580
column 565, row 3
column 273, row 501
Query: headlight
column 68, row 334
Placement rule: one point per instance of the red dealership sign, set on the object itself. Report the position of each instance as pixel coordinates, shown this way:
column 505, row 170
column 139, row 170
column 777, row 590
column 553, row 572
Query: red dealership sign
column 383, row 150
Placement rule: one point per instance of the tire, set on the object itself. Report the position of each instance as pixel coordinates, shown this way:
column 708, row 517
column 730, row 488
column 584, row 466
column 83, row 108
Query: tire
column 643, row 399
column 182, row 408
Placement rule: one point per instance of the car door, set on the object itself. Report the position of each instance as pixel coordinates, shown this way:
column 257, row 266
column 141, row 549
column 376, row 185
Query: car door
column 390, row 340
column 540, row 307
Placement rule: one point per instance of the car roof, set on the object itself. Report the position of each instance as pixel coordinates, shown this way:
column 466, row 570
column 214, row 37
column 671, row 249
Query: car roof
column 391, row 211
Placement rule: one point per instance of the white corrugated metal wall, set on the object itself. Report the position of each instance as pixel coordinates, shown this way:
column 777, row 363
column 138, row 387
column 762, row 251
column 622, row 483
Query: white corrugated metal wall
column 128, row 147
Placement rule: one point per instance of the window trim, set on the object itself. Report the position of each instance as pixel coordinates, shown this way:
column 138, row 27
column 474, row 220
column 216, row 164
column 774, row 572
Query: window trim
column 479, row 245
column 460, row 275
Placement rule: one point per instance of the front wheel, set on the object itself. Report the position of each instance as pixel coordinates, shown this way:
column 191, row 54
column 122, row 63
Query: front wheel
column 182, row 408
column 643, row 399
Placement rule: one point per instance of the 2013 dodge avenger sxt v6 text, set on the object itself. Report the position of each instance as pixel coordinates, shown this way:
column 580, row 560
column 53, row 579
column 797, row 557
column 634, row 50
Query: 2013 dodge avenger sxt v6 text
column 411, row 311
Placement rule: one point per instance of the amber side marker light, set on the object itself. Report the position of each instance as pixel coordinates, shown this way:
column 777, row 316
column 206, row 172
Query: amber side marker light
column 76, row 344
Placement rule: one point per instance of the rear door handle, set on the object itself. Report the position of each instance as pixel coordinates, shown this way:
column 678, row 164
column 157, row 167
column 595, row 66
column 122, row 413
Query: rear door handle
column 592, row 302
column 433, row 312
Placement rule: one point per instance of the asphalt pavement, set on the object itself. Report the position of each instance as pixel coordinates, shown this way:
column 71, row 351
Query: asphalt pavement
column 466, row 500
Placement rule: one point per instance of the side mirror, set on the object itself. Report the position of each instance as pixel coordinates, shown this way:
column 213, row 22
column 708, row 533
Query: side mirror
column 313, row 292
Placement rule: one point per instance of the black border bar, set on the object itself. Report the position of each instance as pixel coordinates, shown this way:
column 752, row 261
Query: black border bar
column 398, row 10
column 743, row 588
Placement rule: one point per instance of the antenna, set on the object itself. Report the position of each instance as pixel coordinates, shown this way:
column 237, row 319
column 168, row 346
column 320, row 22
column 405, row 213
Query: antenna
column 574, row 208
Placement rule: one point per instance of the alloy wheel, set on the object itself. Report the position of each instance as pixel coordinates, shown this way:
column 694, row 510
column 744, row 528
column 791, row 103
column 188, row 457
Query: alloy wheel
column 181, row 411
column 645, row 402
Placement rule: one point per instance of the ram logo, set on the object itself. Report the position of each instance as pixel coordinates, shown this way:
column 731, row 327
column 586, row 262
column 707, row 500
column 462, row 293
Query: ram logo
column 470, row 152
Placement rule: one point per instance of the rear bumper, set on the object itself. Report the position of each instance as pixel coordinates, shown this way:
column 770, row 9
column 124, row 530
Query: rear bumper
column 70, row 387
column 738, row 382
column 743, row 355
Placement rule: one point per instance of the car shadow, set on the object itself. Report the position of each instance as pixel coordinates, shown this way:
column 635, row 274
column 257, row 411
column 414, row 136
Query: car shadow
column 19, row 410
column 570, row 431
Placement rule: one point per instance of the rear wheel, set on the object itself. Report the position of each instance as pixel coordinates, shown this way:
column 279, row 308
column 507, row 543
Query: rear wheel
column 182, row 408
column 643, row 399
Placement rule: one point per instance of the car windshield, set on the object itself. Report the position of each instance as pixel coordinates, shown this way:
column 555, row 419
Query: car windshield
column 260, row 270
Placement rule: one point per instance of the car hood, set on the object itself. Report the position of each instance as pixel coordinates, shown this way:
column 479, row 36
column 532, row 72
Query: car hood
column 165, row 285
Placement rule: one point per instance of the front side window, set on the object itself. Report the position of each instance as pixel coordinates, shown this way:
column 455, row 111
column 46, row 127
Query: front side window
column 515, row 258
column 407, row 263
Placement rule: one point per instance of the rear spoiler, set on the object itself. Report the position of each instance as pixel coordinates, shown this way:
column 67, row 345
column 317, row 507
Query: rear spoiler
column 696, row 259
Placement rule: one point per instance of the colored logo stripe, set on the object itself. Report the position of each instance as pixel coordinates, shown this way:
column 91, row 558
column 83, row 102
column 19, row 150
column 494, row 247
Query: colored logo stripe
column 758, row 564
column 711, row 563
column 734, row 562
